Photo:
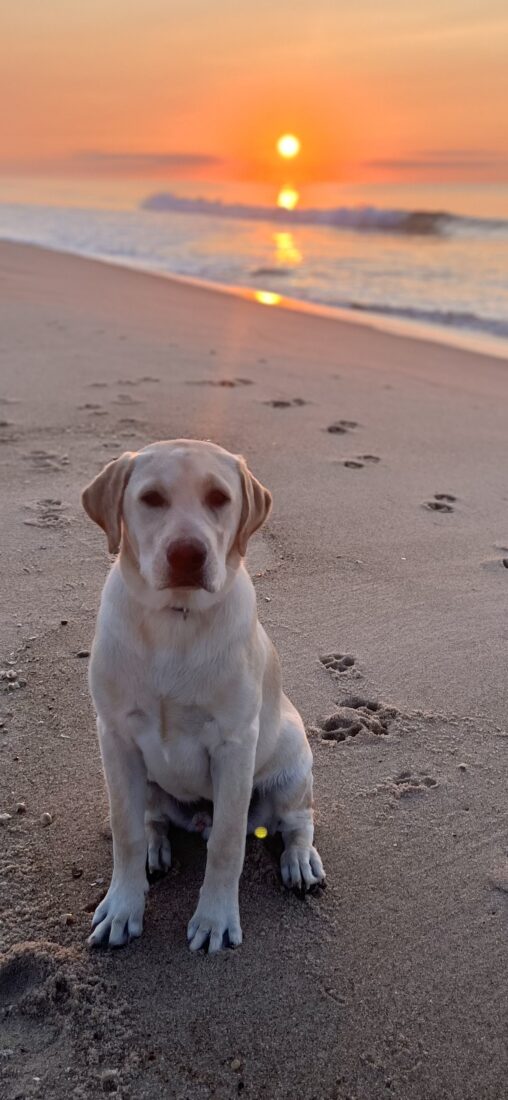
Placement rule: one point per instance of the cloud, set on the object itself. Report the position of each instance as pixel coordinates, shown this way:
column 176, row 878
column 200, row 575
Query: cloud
column 444, row 159
column 100, row 162
column 469, row 153
column 107, row 161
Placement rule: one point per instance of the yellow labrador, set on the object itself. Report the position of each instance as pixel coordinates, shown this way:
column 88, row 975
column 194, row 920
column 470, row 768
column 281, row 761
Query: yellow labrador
column 187, row 687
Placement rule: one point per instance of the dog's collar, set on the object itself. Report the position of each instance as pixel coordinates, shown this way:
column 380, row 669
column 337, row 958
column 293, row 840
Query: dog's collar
column 184, row 611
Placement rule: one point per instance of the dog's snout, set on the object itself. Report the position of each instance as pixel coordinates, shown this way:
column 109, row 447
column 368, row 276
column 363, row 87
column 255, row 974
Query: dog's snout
column 186, row 559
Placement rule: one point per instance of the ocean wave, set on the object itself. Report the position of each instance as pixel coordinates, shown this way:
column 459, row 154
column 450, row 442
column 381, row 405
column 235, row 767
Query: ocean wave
column 448, row 318
column 372, row 219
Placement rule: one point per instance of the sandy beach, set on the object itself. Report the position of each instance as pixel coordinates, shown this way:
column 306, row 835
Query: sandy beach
column 380, row 578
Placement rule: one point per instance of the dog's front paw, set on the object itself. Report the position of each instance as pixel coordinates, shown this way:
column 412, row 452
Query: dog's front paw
column 216, row 922
column 301, row 868
column 119, row 917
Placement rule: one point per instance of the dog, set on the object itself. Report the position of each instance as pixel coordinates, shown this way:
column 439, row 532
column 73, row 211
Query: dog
column 187, row 688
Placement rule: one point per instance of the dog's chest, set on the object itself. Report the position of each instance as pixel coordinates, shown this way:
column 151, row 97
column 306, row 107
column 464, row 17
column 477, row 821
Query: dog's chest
column 174, row 743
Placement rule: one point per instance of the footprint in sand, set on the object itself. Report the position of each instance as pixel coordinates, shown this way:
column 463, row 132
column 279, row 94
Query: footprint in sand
column 137, row 381
column 406, row 783
column 47, row 513
column 443, row 502
column 46, row 460
column 93, row 409
column 279, row 403
column 52, row 1013
column 8, row 433
column 357, row 715
column 360, row 461
column 19, row 975
column 126, row 399
column 338, row 663
column 341, row 427
column 226, row 383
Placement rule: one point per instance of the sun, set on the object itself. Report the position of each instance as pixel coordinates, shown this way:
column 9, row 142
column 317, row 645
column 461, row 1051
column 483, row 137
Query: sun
column 288, row 146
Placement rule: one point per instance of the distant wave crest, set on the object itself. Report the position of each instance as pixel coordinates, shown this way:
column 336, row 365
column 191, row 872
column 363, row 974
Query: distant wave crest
column 356, row 218
column 462, row 319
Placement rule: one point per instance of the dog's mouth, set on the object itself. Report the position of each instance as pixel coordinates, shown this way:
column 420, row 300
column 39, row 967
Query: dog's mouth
column 190, row 584
column 187, row 582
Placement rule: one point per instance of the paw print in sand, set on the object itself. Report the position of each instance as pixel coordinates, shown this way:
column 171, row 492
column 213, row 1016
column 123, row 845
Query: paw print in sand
column 338, row 663
column 357, row 715
column 442, row 502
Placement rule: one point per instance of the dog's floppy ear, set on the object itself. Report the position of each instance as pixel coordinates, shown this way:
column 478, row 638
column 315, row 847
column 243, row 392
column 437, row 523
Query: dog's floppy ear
column 103, row 498
column 256, row 505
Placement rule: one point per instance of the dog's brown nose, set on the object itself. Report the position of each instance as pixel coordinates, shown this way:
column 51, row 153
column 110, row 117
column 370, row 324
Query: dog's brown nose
column 186, row 559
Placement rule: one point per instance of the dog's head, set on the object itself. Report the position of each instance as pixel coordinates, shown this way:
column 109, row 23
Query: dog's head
column 181, row 512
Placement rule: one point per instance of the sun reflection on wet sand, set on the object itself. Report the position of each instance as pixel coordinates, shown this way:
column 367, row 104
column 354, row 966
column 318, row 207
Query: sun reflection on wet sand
column 267, row 297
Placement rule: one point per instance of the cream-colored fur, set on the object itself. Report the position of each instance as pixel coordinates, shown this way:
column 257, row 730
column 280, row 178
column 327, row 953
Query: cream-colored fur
column 187, row 688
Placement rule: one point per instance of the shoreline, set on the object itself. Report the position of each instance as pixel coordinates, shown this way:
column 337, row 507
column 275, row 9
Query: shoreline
column 484, row 344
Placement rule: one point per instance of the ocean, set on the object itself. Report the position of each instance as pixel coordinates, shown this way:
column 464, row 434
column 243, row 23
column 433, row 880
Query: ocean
column 435, row 255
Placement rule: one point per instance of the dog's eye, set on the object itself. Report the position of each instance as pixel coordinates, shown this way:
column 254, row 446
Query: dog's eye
column 217, row 499
column 153, row 499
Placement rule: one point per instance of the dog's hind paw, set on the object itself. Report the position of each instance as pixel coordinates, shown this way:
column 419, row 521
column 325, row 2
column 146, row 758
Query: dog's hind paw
column 159, row 849
column 301, row 868
column 201, row 822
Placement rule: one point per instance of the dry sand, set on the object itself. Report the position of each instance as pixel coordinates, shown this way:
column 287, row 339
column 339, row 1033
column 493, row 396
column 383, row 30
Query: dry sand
column 393, row 981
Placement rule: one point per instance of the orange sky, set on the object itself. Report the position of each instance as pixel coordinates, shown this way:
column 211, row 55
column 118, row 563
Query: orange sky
column 376, row 89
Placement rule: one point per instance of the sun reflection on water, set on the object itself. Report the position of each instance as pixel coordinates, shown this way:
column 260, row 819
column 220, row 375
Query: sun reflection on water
column 288, row 198
column 286, row 252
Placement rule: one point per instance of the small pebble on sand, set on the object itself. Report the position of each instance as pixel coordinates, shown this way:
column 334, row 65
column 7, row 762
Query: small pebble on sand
column 21, row 808
column 46, row 819
column 5, row 818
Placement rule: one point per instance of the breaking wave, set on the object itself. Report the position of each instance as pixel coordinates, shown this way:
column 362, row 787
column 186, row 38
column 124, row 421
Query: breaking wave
column 372, row 219
column 447, row 318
